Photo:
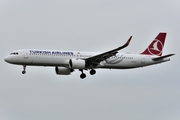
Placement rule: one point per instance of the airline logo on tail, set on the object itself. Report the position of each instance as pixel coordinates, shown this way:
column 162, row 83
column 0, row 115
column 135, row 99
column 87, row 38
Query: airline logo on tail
column 156, row 47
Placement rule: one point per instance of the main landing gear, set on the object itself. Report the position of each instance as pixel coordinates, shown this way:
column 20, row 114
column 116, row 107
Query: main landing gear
column 24, row 69
column 92, row 72
column 83, row 75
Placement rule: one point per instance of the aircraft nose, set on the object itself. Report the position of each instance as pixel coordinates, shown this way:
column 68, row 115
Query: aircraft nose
column 7, row 59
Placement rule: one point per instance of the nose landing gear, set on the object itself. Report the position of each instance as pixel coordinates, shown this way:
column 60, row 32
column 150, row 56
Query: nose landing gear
column 24, row 69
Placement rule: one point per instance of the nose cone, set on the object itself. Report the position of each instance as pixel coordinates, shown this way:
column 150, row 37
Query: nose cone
column 7, row 59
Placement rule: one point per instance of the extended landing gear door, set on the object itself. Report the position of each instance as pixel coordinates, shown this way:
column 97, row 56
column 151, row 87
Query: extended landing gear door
column 25, row 54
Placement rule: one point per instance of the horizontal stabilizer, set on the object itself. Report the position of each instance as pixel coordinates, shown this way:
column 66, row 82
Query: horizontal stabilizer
column 162, row 57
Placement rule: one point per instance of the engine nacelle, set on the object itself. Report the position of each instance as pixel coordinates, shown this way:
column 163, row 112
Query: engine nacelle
column 63, row 71
column 77, row 64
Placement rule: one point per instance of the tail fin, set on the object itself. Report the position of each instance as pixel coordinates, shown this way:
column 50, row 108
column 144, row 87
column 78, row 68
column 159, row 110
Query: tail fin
column 156, row 46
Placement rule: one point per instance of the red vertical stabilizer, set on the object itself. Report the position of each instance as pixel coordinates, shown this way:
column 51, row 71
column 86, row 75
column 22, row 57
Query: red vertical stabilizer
column 156, row 46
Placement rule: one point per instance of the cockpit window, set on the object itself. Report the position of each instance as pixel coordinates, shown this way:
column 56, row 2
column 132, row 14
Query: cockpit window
column 14, row 53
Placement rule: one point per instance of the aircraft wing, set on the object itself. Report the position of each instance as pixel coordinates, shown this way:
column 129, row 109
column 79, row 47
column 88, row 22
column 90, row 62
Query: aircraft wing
column 95, row 60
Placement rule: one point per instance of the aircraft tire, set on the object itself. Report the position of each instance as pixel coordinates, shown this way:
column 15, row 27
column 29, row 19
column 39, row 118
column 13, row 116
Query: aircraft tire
column 23, row 72
column 92, row 72
column 82, row 76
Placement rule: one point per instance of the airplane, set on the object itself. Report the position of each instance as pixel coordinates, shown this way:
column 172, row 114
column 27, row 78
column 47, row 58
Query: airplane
column 65, row 62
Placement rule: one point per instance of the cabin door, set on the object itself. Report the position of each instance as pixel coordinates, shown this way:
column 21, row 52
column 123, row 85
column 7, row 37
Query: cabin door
column 25, row 54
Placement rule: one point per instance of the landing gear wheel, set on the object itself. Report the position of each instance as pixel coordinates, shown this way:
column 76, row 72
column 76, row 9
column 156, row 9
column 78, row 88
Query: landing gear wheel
column 82, row 76
column 24, row 69
column 92, row 72
column 23, row 72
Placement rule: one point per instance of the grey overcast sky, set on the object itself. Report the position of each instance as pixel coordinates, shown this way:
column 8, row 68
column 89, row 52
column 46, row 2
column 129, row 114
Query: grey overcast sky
column 150, row 93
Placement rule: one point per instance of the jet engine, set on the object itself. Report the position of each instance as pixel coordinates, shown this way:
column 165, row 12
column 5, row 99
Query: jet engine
column 77, row 64
column 63, row 71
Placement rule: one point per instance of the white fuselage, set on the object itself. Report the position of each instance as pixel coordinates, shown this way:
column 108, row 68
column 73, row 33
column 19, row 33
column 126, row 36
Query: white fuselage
column 34, row 57
column 65, row 62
